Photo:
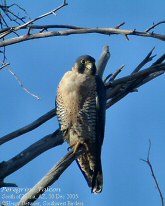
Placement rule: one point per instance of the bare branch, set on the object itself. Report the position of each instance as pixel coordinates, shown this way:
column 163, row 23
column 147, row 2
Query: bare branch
column 147, row 59
column 46, row 143
column 38, row 122
column 119, row 90
column 120, row 25
column 113, row 77
column 104, row 31
column 154, row 25
column 7, row 14
column 103, row 61
column 21, row 84
column 159, row 61
column 4, row 65
column 134, row 76
column 14, row 29
column 49, row 178
column 44, row 27
column 153, row 173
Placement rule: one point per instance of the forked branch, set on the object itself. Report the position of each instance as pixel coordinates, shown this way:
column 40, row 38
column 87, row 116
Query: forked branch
column 148, row 162
column 10, row 30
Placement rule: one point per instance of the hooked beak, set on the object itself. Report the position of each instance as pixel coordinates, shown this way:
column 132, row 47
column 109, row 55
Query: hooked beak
column 89, row 65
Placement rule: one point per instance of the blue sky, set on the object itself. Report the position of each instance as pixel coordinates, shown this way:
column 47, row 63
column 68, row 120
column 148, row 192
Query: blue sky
column 130, row 123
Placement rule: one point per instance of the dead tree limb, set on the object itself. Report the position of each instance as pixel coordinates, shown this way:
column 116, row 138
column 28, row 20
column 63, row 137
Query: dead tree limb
column 49, row 178
column 148, row 162
column 103, row 31
column 4, row 65
column 15, row 163
column 41, row 120
column 19, row 81
column 9, row 15
column 103, row 61
column 154, row 25
column 10, row 30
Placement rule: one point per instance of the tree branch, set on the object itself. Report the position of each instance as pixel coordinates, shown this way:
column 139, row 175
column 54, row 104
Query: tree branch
column 117, row 89
column 14, row 29
column 104, row 31
column 38, row 122
column 147, row 59
column 154, row 25
column 4, row 65
column 43, row 27
column 7, row 14
column 50, row 178
column 103, row 61
column 46, row 143
column 21, row 83
column 148, row 162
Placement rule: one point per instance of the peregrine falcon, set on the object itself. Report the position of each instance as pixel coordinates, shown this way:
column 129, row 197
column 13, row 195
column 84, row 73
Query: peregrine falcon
column 80, row 107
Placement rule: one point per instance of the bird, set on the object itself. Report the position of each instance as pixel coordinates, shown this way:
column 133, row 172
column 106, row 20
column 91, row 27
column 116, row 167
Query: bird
column 80, row 109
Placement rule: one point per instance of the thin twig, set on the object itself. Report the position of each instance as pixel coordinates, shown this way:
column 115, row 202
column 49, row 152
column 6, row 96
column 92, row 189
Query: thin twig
column 16, row 5
column 36, row 19
column 21, row 84
column 147, row 59
column 154, row 25
column 116, row 73
column 10, row 15
column 118, row 92
column 153, row 173
column 118, row 26
column 121, row 87
column 147, row 71
column 4, row 65
column 159, row 61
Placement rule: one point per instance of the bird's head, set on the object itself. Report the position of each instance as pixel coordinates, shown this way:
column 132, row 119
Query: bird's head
column 85, row 65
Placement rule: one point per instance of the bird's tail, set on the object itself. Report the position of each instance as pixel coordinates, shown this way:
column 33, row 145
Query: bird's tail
column 93, row 177
column 97, row 181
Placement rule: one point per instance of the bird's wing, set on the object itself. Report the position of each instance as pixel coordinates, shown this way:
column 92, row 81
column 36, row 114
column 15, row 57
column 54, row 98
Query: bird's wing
column 97, row 180
column 100, row 112
column 95, row 107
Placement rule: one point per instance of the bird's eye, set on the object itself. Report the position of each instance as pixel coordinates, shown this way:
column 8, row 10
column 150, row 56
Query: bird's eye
column 82, row 61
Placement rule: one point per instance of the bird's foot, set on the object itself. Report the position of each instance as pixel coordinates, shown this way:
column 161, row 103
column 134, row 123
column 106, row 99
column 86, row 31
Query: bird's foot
column 75, row 147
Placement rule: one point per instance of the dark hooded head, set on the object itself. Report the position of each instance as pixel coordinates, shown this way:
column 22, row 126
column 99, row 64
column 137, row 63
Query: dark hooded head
column 85, row 65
